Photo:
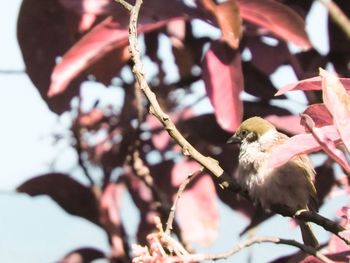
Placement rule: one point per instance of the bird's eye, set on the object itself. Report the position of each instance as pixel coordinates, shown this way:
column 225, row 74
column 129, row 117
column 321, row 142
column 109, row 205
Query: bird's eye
column 244, row 133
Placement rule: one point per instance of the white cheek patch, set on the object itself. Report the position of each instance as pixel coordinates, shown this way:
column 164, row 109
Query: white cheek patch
column 268, row 137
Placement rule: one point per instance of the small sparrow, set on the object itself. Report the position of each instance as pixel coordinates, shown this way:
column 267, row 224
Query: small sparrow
column 290, row 185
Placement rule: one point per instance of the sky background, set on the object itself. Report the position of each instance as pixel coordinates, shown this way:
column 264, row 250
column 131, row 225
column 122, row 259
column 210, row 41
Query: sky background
column 36, row 229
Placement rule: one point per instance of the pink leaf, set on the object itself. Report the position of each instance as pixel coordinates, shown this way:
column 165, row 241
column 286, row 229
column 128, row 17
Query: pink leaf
column 310, row 84
column 197, row 208
column 290, row 124
column 223, row 78
column 300, row 144
column 281, row 20
column 337, row 245
column 86, row 22
column 344, row 212
column 93, row 46
column 104, row 38
column 337, row 102
column 340, row 251
column 325, row 142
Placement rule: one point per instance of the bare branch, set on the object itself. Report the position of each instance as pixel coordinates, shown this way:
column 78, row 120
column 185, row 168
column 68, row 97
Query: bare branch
column 125, row 4
column 155, row 252
column 254, row 240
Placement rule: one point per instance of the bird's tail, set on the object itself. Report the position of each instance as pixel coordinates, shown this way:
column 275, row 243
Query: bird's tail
column 307, row 234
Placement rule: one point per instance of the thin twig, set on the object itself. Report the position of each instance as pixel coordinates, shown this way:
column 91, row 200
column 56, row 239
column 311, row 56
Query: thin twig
column 169, row 223
column 338, row 16
column 157, row 241
column 254, row 240
column 125, row 4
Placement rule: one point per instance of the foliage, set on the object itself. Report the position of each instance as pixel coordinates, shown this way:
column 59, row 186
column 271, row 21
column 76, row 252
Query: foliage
column 65, row 42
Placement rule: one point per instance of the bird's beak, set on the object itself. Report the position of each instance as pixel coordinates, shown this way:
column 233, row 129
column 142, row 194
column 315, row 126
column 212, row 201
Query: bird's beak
column 234, row 140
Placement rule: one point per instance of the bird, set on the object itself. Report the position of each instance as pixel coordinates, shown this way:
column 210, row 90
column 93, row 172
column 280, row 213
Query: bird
column 290, row 185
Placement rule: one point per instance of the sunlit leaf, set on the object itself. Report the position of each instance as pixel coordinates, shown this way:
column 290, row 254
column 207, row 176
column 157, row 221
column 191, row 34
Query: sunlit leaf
column 337, row 101
column 281, row 20
column 228, row 17
column 223, row 78
column 288, row 124
column 328, row 145
column 310, row 84
column 105, row 37
column 300, row 144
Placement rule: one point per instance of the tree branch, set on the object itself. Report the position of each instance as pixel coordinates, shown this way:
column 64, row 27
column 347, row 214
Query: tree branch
column 126, row 5
column 155, row 252
column 254, row 240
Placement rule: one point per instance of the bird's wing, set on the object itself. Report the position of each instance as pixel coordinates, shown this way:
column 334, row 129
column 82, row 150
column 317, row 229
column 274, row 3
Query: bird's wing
column 304, row 162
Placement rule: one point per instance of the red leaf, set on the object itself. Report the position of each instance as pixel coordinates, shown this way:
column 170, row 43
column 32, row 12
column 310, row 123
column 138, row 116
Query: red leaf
column 223, row 78
column 310, row 84
column 319, row 114
column 101, row 40
column 228, row 19
column 337, row 102
column 72, row 196
column 300, row 144
column 281, row 20
column 197, row 208
column 94, row 45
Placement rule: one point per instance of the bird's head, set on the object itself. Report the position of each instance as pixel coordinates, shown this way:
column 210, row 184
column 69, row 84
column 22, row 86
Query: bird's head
column 251, row 130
